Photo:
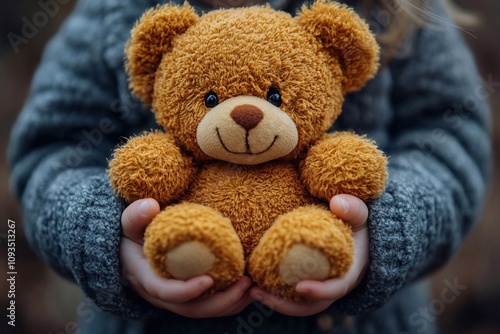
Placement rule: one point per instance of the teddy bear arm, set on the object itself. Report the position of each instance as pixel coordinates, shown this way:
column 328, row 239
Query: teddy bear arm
column 344, row 163
column 150, row 166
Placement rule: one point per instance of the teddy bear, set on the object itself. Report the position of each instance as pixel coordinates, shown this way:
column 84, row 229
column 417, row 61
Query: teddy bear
column 244, row 169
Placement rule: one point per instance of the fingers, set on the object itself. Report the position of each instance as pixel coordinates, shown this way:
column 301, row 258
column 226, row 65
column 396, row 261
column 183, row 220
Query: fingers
column 350, row 209
column 137, row 216
column 287, row 307
column 220, row 304
column 228, row 302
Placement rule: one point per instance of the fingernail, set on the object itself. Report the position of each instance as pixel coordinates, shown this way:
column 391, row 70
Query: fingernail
column 144, row 208
column 342, row 203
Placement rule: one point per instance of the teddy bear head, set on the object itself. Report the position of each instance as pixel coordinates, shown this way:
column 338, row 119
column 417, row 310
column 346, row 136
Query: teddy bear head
column 248, row 85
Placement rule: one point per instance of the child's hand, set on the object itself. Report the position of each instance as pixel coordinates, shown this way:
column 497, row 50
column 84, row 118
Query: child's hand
column 353, row 211
column 177, row 296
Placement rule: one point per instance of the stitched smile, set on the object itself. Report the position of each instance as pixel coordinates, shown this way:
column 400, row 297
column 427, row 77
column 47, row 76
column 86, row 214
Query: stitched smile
column 248, row 151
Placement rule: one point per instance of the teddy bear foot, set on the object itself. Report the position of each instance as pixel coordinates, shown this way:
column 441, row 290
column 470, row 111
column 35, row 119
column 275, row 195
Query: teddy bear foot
column 306, row 243
column 188, row 240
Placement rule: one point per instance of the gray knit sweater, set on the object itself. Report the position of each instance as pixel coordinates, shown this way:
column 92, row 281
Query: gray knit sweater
column 425, row 111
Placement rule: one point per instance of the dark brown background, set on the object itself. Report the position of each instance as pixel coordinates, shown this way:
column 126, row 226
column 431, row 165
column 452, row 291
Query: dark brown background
column 46, row 303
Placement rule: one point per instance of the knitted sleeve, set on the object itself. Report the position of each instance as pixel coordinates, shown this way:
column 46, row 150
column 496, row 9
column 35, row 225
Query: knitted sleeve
column 440, row 161
column 58, row 151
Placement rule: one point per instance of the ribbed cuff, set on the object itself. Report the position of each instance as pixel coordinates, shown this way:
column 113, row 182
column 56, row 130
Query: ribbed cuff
column 92, row 244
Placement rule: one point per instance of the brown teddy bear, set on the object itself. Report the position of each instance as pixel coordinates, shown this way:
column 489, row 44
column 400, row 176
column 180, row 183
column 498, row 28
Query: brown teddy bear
column 245, row 169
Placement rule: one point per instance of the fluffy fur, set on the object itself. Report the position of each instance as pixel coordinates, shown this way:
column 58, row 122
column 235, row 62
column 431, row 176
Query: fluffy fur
column 244, row 210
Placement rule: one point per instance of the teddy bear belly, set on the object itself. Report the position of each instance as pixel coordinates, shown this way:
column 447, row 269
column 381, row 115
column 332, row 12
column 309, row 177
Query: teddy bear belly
column 251, row 196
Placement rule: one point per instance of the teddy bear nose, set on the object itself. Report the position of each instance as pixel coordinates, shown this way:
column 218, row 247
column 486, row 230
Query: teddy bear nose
column 247, row 116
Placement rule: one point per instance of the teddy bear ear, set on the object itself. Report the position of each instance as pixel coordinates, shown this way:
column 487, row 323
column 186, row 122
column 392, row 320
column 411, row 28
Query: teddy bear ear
column 151, row 38
column 346, row 37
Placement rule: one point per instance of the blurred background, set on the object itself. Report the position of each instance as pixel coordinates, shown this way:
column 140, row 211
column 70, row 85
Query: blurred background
column 45, row 303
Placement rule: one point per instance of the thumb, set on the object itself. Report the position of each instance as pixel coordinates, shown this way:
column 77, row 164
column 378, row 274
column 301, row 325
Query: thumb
column 350, row 209
column 137, row 216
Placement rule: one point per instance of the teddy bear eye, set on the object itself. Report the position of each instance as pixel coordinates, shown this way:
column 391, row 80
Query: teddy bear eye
column 274, row 96
column 211, row 100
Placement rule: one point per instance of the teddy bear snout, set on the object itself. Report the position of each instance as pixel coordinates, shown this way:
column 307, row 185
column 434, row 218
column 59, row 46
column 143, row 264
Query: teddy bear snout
column 247, row 116
column 246, row 130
